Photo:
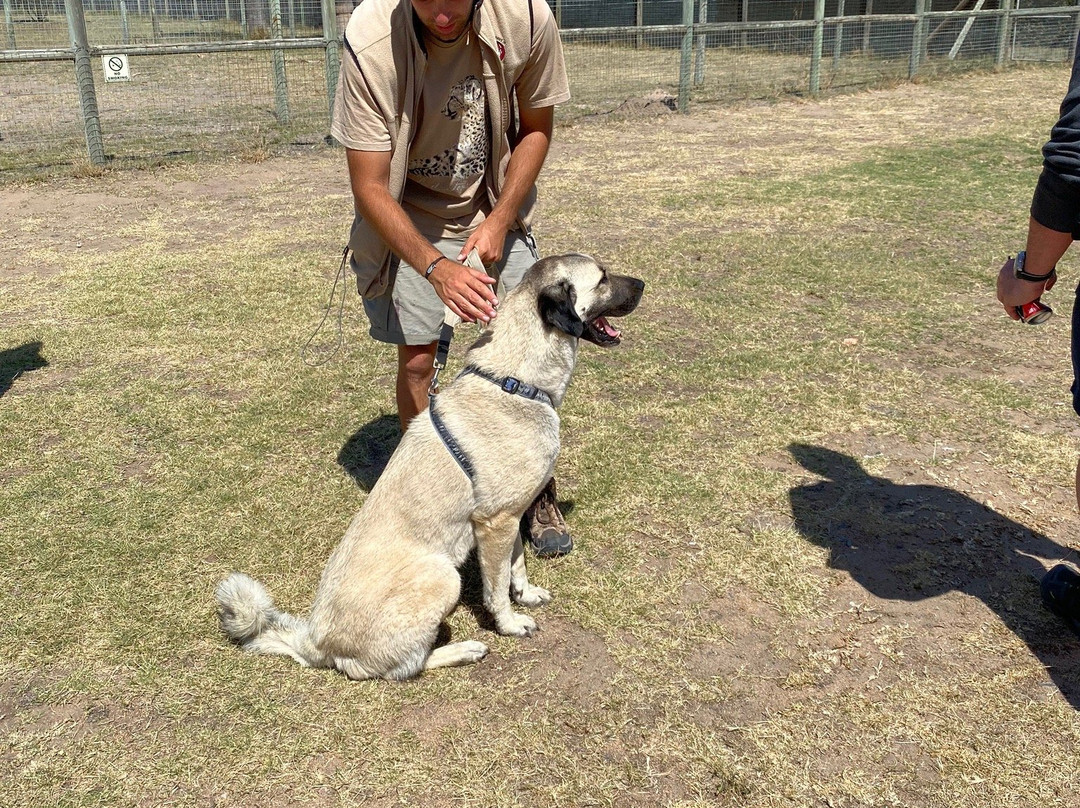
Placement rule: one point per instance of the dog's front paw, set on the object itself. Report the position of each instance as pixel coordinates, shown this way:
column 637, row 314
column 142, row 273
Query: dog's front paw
column 530, row 595
column 472, row 651
column 516, row 625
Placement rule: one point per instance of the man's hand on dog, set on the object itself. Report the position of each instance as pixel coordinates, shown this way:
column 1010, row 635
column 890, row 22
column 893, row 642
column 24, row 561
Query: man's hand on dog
column 468, row 293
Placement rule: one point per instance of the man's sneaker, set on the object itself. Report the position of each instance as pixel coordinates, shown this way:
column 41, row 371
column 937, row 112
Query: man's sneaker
column 544, row 526
column 1060, row 590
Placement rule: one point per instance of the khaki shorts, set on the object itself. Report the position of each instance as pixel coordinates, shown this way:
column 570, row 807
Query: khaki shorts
column 410, row 313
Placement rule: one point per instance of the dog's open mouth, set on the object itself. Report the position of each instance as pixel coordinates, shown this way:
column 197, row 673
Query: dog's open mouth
column 601, row 332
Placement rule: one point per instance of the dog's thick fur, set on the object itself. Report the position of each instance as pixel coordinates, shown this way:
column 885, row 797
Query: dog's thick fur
column 393, row 578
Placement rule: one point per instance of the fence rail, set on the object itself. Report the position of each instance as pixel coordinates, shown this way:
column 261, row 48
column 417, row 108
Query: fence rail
column 217, row 77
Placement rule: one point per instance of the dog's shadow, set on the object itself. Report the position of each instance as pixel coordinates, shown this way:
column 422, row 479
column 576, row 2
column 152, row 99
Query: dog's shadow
column 16, row 361
column 915, row 542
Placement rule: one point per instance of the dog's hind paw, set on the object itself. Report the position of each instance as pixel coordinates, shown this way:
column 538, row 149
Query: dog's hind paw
column 531, row 596
column 516, row 625
column 472, row 651
column 466, row 652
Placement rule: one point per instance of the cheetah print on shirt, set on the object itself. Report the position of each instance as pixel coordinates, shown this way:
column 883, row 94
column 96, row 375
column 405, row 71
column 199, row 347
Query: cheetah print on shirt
column 470, row 157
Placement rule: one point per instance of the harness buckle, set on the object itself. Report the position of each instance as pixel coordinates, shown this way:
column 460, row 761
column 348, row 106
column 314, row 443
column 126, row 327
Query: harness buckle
column 510, row 384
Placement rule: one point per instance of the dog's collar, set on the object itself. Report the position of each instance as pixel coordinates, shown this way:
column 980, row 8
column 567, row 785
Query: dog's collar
column 508, row 384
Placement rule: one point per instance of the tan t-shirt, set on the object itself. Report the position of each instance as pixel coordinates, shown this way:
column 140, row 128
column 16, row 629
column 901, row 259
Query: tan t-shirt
column 365, row 116
column 444, row 187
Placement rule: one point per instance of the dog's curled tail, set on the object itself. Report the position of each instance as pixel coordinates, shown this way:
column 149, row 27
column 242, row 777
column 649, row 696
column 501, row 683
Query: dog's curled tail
column 249, row 618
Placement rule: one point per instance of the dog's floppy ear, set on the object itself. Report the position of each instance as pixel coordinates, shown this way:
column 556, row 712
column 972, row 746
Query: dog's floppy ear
column 557, row 309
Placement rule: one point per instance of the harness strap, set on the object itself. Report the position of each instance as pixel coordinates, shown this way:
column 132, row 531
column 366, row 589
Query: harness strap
column 508, row 384
column 451, row 445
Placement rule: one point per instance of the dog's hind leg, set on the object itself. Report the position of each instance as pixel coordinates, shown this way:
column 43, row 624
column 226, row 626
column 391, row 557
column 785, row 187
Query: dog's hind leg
column 495, row 539
column 524, row 593
column 456, row 653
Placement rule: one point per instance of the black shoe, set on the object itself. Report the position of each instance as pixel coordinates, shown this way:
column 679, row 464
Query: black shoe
column 544, row 527
column 1060, row 590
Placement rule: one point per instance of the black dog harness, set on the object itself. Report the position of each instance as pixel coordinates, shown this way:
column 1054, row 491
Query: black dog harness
column 508, row 384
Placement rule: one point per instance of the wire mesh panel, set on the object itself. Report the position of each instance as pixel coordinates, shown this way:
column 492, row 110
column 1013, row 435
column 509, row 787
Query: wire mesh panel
column 751, row 63
column 866, row 52
column 213, row 102
column 1043, row 38
column 610, row 69
column 33, row 25
column 209, row 75
column 40, row 120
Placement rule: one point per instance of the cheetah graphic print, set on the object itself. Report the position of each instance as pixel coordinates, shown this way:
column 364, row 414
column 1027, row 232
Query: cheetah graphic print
column 469, row 159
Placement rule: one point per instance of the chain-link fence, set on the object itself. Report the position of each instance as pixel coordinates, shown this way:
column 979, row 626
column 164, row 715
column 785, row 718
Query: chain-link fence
column 140, row 79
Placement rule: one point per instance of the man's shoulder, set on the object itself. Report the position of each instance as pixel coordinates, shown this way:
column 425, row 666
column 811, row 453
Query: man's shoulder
column 374, row 22
column 515, row 24
column 518, row 17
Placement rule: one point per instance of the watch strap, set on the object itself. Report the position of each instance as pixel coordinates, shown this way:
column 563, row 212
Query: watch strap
column 1018, row 270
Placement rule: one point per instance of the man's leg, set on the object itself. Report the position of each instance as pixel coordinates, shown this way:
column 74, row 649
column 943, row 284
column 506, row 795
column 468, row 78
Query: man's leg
column 415, row 369
column 409, row 315
column 1060, row 587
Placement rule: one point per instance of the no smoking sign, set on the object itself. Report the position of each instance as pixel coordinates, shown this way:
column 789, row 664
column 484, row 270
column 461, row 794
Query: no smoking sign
column 115, row 67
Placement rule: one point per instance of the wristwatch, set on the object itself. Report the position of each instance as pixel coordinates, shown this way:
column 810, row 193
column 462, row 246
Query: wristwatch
column 1019, row 273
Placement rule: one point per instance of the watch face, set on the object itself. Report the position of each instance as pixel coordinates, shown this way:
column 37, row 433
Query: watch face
column 1018, row 264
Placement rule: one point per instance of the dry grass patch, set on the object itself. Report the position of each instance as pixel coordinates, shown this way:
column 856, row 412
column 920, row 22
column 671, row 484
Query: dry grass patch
column 808, row 491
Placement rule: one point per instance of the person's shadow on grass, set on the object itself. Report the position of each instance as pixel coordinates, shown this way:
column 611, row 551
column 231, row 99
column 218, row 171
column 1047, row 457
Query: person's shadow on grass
column 913, row 542
column 366, row 453
column 16, row 361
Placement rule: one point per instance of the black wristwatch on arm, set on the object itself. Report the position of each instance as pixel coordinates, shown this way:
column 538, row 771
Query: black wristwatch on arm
column 1019, row 273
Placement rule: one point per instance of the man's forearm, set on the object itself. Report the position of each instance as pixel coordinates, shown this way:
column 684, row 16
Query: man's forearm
column 395, row 227
column 526, row 160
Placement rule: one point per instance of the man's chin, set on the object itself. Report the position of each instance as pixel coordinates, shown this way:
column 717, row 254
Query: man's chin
column 449, row 38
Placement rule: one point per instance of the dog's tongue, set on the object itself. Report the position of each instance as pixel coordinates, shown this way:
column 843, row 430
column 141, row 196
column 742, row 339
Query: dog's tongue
column 605, row 326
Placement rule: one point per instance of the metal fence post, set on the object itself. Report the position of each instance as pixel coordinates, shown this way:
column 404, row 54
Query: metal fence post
column 838, row 39
column 1075, row 35
column 1003, row 31
column 815, row 51
column 281, row 86
column 84, row 80
column 687, row 54
column 699, row 55
column 9, row 24
column 333, row 51
column 917, row 39
column 869, row 11
column 125, row 28
column 639, row 21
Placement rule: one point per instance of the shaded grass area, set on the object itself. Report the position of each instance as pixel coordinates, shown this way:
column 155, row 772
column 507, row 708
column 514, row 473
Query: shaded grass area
column 818, row 367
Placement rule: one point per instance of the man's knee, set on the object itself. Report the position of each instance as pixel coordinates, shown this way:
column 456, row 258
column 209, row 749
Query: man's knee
column 416, row 362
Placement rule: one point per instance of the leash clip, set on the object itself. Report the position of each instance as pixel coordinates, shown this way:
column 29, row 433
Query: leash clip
column 433, row 388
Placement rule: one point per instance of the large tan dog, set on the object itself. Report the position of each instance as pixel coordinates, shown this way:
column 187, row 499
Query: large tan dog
column 460, row 478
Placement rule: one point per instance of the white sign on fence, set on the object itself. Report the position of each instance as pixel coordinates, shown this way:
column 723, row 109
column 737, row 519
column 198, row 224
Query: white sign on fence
column 116, row 67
